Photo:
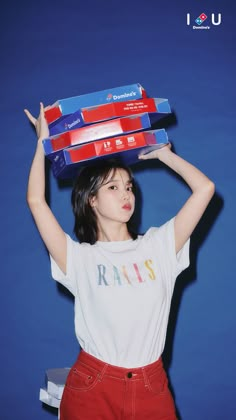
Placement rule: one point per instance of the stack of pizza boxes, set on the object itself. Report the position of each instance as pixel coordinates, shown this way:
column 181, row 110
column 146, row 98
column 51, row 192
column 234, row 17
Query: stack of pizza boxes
column 115, row 123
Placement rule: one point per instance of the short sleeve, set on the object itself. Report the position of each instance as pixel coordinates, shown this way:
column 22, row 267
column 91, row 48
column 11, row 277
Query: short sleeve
column 69, row 279
column 166, row 237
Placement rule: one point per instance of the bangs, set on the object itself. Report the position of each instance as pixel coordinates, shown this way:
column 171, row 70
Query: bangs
column 107, row 175
column 108, row 170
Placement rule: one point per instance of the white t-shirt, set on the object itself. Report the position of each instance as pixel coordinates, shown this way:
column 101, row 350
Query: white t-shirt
column 123, row 293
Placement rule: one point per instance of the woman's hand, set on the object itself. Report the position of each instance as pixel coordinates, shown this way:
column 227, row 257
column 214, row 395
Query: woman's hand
column 40, row 123
column 156, row 154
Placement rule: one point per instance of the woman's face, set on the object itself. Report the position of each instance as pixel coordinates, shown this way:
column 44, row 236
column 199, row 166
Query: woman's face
column 115, row 199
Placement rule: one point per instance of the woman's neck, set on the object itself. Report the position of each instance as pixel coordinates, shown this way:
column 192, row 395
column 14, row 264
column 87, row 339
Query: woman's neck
column 117, row 233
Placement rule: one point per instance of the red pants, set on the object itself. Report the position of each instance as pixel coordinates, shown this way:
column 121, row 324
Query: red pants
column 98, row 391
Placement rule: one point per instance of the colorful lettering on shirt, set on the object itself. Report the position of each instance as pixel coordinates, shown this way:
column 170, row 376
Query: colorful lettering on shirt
column 129, row 274
column 117, row 279
column 125, row 274
column 101, row 275
column 151, row 272
column 138, row 273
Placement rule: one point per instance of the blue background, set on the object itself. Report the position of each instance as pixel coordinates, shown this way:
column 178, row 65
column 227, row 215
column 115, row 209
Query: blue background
column 51, row 50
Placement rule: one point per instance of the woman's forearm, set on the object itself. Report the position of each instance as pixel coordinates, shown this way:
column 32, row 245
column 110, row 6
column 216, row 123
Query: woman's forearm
column 36, row 183
column 194, row 178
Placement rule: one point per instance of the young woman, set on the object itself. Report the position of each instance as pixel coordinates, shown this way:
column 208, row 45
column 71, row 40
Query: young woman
column 122, row 284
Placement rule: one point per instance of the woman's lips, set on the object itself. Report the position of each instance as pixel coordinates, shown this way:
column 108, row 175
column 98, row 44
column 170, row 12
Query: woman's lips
column 127, row 207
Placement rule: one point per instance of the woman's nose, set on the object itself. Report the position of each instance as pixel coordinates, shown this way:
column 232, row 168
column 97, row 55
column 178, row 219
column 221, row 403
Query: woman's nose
column 125, row 193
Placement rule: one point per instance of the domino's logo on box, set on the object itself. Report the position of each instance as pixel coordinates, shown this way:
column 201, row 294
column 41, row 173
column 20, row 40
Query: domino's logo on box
column 74, row 123
column 125, row 95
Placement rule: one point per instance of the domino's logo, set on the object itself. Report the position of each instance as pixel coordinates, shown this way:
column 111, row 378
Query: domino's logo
column 69, row 126
column 125, row 95
column 200, row 19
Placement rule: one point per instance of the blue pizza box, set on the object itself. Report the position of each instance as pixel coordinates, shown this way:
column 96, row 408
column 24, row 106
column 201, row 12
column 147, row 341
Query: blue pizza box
column 70, row 105
column 93, row 132
column 99, row 113
column 126, row 148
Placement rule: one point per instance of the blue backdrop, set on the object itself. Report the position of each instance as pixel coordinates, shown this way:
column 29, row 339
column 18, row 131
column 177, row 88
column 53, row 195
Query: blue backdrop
column 55, row 49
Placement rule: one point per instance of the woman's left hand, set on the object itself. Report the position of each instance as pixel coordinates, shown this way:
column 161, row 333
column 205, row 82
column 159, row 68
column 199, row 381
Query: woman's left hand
column 156, row 154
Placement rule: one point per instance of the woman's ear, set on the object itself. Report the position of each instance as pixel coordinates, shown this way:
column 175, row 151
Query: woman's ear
column 92, row 201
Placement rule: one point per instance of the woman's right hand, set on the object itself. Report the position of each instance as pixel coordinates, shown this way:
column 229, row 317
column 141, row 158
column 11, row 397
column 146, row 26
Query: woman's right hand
column 40, row 123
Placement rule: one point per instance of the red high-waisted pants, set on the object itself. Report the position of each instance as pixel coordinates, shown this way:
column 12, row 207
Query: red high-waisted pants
column 95, row 390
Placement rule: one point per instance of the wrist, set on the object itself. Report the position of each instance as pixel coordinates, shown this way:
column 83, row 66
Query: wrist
column 41, row 138
column 39, row 146
column 164, row 154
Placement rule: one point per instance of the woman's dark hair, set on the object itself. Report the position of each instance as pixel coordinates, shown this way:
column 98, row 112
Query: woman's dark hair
column 86, row 186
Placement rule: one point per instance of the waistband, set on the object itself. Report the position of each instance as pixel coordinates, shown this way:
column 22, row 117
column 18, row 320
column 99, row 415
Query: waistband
column 119, row 372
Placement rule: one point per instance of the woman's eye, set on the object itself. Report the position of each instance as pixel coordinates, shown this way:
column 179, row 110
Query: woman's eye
column 130, row 188
column 113, row 187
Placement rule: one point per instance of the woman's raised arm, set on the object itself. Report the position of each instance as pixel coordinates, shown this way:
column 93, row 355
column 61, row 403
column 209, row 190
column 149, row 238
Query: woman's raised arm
column 51, row 232
column 202, row 191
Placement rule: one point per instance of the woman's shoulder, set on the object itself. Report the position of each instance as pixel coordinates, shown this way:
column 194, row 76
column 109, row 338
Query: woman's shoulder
column 160, row 230
column 73, row 241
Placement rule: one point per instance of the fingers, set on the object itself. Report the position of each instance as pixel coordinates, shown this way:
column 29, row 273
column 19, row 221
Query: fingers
column 41, row 109
column 143, row 157
column 30, row 116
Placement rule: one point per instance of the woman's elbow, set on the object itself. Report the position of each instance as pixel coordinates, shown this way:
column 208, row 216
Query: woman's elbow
column 34, row 201
column 209, row 188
